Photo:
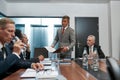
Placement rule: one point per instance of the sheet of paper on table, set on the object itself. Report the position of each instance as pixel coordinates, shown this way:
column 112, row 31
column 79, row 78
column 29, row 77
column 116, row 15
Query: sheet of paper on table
column 46, row 61
column 49, row 73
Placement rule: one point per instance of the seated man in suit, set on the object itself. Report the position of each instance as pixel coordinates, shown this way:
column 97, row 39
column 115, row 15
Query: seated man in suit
column 11, row 60
column 25, row 52
column 25, row 41
column 91, row 47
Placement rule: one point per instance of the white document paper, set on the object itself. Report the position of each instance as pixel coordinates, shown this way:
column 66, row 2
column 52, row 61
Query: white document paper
column 48, row 74
column 50, row 49
column 31, row 73
column 46, row 62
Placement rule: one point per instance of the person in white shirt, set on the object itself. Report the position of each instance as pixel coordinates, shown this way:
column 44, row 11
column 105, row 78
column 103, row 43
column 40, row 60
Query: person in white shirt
column 91, row 47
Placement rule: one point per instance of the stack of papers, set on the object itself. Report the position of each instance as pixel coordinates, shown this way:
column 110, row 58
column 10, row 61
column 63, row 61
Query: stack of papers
column 65, row 61
column 30, row 73
column 46, row 61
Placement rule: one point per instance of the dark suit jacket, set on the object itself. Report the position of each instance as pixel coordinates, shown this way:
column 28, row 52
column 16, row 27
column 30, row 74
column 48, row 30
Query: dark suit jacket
column 100, row 52
column 27, row 55
column 11, row 63
column 10, row 46
column 6, row 64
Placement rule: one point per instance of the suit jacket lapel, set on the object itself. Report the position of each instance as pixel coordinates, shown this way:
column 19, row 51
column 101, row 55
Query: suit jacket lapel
column 94, row 48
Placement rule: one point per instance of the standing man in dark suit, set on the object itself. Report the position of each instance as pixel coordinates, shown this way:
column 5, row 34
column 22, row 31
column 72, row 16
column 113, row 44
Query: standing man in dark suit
column 65, row 38
column 91, row 47
column 10, row 60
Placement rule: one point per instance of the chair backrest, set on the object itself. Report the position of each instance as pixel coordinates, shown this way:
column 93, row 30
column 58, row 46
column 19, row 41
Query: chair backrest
column 113, row 69
column 41, row 51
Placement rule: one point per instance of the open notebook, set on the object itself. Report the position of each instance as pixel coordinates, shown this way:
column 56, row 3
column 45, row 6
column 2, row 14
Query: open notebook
column 31, row 73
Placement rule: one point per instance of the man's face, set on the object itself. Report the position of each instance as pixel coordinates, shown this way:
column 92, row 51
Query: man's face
column 7, row 33
column 65, row 22
column 90, row 41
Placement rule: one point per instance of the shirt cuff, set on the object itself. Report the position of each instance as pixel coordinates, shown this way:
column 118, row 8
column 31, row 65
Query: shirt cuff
column 32, row 65
column 16, row 54
column 68, row 48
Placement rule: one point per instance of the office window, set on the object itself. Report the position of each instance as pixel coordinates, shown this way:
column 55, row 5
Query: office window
column 40, row 31
column 56, row 27
column 21, row 27
column 39, row 36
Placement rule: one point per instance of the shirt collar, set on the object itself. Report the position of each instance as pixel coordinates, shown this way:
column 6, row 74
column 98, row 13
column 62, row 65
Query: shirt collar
column 91, row 46
column 65, row 27
column 1, row 45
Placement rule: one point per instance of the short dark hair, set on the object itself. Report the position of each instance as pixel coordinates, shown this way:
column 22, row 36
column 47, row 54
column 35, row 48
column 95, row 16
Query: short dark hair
column 5, row 21
column 66, row 17
column 18, row 33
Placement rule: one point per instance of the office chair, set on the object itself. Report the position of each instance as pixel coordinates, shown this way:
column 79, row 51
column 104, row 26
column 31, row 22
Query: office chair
column 113, row 69
column 40, row 51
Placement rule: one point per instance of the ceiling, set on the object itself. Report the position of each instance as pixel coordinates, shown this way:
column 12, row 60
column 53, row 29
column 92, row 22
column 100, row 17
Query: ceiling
column 59, row 1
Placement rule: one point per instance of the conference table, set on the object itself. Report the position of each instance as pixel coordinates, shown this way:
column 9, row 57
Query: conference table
column 72, row 71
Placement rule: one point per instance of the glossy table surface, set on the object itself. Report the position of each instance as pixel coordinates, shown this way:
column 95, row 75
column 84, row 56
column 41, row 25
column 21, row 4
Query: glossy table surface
column 73, row 71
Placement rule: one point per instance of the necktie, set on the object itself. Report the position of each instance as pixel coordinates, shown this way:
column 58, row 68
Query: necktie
column 90, row 51
column 3, row 52
column 63, row 29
